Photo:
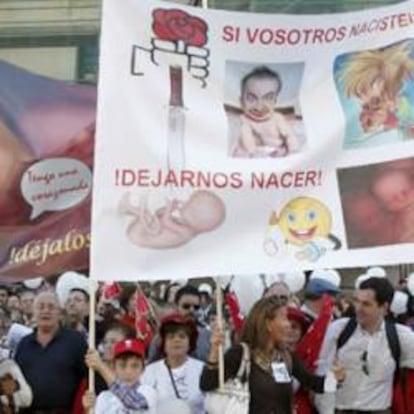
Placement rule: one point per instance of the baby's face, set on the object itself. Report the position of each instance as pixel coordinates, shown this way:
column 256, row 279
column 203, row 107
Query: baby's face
column 395, row 190
column 364, row 212
column 259, row 97
column 375, row 107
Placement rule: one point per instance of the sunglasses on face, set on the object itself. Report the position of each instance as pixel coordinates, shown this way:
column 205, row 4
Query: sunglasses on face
column 188, row 306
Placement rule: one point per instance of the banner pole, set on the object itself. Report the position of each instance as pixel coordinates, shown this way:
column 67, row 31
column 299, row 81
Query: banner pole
column 92, row 335
column 220, row 325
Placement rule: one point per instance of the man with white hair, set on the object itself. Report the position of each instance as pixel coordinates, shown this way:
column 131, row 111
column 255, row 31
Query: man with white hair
column 51, row 359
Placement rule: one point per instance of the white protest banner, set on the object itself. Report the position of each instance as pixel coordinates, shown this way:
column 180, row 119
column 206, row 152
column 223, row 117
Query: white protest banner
column 238, row 143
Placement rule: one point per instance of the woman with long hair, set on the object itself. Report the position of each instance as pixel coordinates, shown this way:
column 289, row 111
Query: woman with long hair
column 272, row 364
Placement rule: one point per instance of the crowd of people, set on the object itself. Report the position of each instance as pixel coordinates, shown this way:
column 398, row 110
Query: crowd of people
column 157, row 350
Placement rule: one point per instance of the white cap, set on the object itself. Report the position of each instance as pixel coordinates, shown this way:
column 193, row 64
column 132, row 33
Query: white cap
column 69, row 281
column 205, row 288
column 399, row 304
column 294, row 280
column 331, row 275
column 360, row 279
column 410, row 283
column 376, row 271
column 33, row 283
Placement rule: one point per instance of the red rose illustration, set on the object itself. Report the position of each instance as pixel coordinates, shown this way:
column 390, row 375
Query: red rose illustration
column 175, row 24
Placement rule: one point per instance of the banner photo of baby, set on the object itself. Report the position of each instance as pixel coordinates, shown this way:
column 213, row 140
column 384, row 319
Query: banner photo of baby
column 46, row 150
column 263, row 111
column 376, row 89
column 378, row 203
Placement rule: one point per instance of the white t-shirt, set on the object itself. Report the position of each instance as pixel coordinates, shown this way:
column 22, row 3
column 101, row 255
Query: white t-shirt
column 186, row 377
column 109, row 403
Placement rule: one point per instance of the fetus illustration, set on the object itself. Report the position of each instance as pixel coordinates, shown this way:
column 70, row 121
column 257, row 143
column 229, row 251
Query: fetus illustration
column 174, row 224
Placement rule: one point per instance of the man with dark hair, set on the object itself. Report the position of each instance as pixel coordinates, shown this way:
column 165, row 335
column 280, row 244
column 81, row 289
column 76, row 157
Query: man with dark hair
column 370, row 347
column 4, row 295
column 188, row 301
column 27, row 297
column 77, row 309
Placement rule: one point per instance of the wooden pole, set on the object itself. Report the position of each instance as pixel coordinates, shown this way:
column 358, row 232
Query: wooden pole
column 92, row 334
column 220, row 324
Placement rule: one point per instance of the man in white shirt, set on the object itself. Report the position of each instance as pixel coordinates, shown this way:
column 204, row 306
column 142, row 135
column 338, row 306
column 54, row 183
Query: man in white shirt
column 366, row 355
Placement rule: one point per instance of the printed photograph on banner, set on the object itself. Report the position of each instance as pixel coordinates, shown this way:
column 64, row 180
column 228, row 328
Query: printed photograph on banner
column 303, row 228
column 47, row 129
column 378, row 203
column 376, row 90
column 172, row 222
column 263, row 109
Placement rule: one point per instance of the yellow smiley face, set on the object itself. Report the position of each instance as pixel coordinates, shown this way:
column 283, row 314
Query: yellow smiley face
column 304, row 219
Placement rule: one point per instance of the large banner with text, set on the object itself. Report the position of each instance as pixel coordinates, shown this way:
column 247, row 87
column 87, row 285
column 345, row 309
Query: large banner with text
column 245, row 143
column 47, row 131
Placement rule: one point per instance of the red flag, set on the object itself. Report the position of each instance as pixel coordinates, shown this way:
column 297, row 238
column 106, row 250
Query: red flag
column 308, row 351
column 236, row 316
column 111, row 290
column 143, row 315
column 311, row 343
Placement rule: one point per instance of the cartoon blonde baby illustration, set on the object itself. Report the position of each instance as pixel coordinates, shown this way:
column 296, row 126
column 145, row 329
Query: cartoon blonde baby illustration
column 376, row 78
column 306, row 224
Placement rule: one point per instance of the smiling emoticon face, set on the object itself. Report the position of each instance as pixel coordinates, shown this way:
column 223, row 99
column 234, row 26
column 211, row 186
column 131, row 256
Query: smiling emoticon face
column 304, row 219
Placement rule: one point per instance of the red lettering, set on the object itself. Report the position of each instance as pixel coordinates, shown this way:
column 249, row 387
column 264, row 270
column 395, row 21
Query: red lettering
column 252, row 35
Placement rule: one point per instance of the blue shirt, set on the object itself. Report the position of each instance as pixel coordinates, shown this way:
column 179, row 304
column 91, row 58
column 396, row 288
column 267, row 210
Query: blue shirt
column 54, row 371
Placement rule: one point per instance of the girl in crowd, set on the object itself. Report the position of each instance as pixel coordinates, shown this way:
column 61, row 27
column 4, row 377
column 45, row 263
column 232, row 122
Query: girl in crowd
column 272, row 364
column 176, row 375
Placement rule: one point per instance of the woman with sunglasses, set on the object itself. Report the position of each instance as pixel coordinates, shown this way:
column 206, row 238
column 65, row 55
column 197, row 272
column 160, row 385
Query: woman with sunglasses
column 175, row 376
column 272, row 364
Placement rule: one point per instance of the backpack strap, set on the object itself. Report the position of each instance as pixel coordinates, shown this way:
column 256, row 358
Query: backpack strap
column 390, row 330
column 393, row 341
column 346, row 333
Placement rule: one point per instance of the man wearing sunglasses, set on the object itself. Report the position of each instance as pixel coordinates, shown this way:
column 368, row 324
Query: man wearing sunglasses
column 368, row 353
column 188, row 301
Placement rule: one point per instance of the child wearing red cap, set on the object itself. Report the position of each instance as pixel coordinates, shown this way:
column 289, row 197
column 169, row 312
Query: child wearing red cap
column 128, row 365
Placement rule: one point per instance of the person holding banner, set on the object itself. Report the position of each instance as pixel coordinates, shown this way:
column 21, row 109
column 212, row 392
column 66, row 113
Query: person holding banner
column 272, row 364
column 126, row 392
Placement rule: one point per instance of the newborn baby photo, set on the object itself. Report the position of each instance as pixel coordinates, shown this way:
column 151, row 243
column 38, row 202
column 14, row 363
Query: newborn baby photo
column 378, row 203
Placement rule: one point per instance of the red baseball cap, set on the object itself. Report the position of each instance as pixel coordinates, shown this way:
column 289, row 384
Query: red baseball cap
column 133, row 346
column 297, row 315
